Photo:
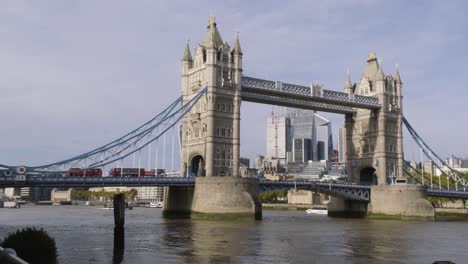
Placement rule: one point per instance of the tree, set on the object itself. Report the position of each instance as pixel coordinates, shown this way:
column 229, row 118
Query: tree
column 272, row 197
column 131, row 194
column 32, row 245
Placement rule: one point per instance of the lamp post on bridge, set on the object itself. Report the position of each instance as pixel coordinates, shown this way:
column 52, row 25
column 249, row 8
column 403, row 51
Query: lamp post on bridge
column 422, row 168
column 431, row 180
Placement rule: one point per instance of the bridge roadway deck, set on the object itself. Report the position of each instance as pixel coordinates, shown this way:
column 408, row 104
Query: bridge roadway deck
column 345, row 190
column 54, row 181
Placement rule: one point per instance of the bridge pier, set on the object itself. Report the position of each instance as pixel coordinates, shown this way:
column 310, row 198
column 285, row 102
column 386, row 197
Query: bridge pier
column 339, row 207
column 178, row 201
column 226, row 198
column 387, row 202
column 221, row 198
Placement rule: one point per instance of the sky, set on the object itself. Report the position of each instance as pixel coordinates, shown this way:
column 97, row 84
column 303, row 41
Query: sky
column 77, row 74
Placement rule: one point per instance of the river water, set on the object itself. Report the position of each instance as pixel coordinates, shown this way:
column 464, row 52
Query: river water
column 85, row 234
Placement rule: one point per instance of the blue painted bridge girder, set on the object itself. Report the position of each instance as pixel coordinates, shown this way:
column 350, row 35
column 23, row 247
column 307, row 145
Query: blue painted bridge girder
column 69, row 182
column 344, row 190
column 447, row 194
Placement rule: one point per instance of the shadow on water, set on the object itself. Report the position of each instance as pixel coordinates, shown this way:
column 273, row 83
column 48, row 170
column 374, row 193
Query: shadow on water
column 209, row 241
column 119, row 245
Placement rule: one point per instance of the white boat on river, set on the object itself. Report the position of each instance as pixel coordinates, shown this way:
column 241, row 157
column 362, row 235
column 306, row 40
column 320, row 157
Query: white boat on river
column 320, row 211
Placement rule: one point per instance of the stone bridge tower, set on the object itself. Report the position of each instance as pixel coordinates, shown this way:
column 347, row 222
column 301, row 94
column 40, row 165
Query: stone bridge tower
column 374, row 139
column 210, row 132
column 210, row 136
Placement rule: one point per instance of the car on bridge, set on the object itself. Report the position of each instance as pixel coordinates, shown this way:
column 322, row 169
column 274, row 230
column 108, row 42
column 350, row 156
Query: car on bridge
column 161, row 172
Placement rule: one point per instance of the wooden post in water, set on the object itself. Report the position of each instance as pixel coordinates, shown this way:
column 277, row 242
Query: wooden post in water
column 119, row 210
column 119, row 244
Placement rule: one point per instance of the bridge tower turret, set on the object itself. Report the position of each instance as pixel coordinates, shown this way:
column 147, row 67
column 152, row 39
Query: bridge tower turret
column 398, row 108
column 374, row 138
column 348, row 88
column 237, row 72
column 210, row 132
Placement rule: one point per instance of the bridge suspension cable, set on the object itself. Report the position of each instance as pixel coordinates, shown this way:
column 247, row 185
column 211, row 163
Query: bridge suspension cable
column 121, row 148
column 453, row 176
column 420, row 181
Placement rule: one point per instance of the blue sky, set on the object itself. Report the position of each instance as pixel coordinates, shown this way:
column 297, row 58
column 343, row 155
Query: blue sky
column 76, row 74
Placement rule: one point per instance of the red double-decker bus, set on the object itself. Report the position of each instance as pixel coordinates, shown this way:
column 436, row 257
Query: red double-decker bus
column 127, row 172
column 78, row 172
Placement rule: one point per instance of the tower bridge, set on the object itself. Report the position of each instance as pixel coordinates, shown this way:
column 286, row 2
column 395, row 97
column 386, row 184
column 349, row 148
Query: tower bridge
column 208, row 118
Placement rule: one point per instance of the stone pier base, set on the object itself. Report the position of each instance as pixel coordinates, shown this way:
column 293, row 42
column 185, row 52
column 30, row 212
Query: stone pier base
column 223, row 198
column 178, row 202
column 387, row 202
column 338, row 207
column 226, row 198
column 403, row 201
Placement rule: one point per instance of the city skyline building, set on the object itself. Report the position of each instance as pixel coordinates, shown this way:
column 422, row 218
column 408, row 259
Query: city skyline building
column 303, row 127
column 306, row 124
column 342, row 145
column 302, row 150
column 324, row 138
column 278, row 136
column 150, row 193
column 456, row 162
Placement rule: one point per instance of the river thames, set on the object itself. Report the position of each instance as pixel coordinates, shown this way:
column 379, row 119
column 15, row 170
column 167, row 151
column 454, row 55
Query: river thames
column 86, row 235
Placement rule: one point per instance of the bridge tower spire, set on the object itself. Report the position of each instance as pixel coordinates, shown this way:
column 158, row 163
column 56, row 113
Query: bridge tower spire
column 187, row 62
column 348, row 88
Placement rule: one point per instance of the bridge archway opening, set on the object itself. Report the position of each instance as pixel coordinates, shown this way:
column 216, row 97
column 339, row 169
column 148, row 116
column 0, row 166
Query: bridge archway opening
column 368, row 176
column 197, row 166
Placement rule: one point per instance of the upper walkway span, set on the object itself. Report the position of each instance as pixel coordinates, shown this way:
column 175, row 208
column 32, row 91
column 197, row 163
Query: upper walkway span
column 297, row 96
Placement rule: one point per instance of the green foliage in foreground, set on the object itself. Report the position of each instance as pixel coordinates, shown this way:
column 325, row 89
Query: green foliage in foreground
column 32, row 245
column 88, row 195
column 273, row 197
